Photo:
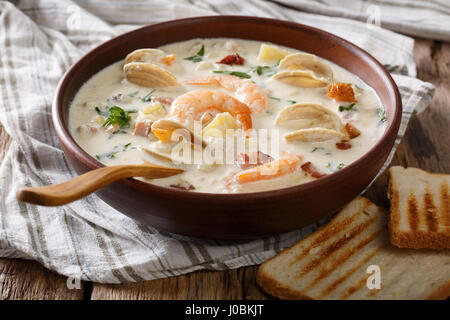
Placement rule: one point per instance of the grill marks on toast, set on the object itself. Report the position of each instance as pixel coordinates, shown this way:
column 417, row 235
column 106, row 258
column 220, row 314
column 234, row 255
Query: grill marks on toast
column 445, row 204
column 430, row 211
column 336, row 246
column 349, row 291
column 420, row 208
column 413, row 216
column 344, row 257
column 328, row 232
column 333, row 286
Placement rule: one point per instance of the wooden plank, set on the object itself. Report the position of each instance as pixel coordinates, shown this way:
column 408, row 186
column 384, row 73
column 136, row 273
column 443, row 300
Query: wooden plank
column 28, row 280
column 23, row 279
column 197, row 285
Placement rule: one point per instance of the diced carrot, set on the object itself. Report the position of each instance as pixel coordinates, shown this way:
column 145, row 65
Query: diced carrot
column 341, row 92
column 163, row 135
column 169, row 59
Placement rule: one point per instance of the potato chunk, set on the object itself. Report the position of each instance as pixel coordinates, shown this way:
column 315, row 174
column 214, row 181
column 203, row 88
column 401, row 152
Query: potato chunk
column 269, row 53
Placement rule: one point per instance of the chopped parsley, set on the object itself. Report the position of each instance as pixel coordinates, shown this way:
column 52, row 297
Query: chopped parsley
column 148, row 97
column 278, row 99
column 109, row 155
column 116, row 150
column 198, row 57
column 266, row 71
column 347, row 108
column 99, row 112
column 125, row 147
column 116, row 115
column 334, row 167
column 238, row 74
column 316, row 148
column 381, row 113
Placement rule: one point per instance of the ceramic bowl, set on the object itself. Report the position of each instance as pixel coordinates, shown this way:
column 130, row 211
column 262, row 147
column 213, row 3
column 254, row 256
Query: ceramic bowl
column 234, row 216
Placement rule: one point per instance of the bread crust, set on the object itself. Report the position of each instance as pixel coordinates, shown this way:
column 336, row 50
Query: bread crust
column 441, row 293
column 277, row 289
column 414, row 239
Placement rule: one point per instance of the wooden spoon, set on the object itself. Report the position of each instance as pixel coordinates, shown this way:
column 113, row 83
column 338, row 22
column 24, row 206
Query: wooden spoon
column 76, row 188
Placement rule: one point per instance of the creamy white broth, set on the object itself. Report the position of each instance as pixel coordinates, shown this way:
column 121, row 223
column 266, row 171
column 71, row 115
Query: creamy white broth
column 123, row 147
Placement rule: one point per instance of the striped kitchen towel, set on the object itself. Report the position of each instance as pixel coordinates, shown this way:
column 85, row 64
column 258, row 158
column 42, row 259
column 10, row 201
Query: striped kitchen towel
column 87, row 239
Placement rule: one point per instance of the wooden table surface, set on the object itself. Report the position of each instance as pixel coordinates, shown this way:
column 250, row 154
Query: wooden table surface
column 425, row 145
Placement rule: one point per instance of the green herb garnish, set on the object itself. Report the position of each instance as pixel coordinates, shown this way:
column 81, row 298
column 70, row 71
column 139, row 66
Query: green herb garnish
column 335, row 168
column 238, row 74
column 148, row 97
column 275, row 98
column 381, row 113
column 116, row 115
column 316, row 148
column 133, row 94
column 116, row 150
column 109, row 155
column 292, row 101
column 100, row 112
column 198, row 57
column 347, row 108
column 266, row 71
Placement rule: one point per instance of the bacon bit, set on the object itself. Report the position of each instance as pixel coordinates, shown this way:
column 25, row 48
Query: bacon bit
column 163, row 100
column 142, row 128
column 343, row 145
column 341, row 92
column 311, row 170
column 169, row 59
column 352, row 131
column 232, row 59
column 184, row 186
column 252, row 159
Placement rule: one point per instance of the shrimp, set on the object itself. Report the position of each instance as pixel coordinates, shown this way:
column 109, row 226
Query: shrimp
column 269, row 170
column 192, row 105
column 244, row 90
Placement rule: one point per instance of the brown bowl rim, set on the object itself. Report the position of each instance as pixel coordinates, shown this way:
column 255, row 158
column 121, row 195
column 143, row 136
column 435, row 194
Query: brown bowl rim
column 393, row 122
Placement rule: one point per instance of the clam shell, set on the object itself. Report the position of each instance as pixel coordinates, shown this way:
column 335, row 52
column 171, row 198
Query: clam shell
column 308, row 115
column 145, row 55
column 307, row 62
column 314, row 135
column 149, row 75
column 300, row 78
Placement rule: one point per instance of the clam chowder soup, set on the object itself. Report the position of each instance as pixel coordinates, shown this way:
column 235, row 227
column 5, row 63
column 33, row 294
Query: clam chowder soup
column 235, row 115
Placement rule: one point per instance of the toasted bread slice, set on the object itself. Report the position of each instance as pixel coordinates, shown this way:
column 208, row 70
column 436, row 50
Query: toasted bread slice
column 332, row 262
column 420, row 208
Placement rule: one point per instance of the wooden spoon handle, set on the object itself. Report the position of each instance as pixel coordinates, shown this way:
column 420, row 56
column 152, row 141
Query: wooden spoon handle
column 76, row 188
